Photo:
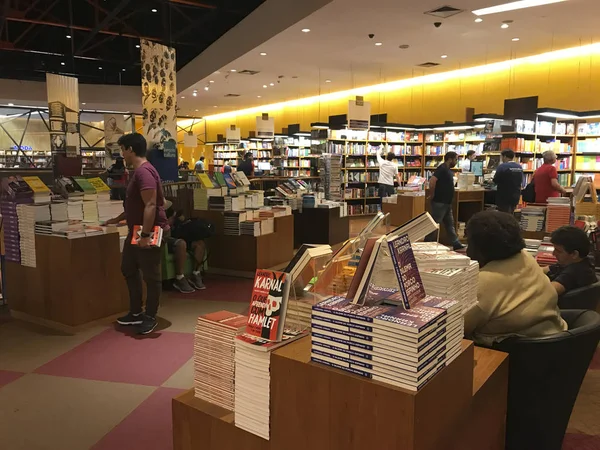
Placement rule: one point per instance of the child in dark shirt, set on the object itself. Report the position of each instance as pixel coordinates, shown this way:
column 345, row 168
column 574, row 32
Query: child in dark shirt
column 574, row 270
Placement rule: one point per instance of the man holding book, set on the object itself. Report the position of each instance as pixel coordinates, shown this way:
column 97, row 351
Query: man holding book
column 441, row 193
column 144, row 206
column 388, row 173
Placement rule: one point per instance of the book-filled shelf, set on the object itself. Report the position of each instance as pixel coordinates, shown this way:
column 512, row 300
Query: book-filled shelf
column 385, row 307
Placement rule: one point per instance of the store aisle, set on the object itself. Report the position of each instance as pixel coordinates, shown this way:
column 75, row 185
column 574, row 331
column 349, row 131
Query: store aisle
column 105, row 389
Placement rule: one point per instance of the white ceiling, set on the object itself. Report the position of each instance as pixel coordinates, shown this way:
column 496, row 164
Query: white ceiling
column 338, row 48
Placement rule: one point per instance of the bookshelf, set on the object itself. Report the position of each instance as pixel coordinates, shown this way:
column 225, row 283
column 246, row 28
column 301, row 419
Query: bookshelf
column 297, row 160
column 587, row 150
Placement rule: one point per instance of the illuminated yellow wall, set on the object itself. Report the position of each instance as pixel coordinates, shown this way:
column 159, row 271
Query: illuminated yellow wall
column 571, row 82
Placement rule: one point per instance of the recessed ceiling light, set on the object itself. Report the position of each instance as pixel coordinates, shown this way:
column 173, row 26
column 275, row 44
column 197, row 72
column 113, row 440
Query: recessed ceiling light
column 271, row 84
column 11, row 104
column 213, row 107
column 195, row 94
column 263, row 54
column 511, row 6
column 504, row 26
column 137, row 45
column 206, row 88
column 62, row 63
column 100, row 68
column 68, row 36
column 259, row 96
column 378, row 44
column 154, row 10
column 211, row 81
column 444, row 56
column 183, row 96
column 306, row 30
column 265, row 86
column 197, row 110
column 83, row 103
column 233, row 70
column 327, row 81
column 478, row 20
column 123, row 70
column 516, row 39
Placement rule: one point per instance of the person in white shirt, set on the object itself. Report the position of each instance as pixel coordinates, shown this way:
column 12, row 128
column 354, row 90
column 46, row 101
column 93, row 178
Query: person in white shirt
column 465, row 164
column 388, row 171
column 199, row 167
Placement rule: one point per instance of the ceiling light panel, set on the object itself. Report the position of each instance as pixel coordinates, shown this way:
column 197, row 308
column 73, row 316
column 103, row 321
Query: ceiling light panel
column 512, row 6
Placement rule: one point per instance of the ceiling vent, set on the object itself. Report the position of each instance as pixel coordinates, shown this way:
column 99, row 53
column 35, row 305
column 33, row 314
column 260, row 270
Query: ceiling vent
column 428, row 64
column 248, row 72
column 232, row 95
column 444, row 12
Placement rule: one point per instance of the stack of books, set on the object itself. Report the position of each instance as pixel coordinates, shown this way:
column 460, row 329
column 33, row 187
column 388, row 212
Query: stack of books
column 109, row 209
column 50, row 227
column 545, row 255
column 250, row 227
column 200, row 199
column 558, row 213
column 237, row 203
column 75, row 209
column 532, row 218
column 232, row 221
column 404, row 348
column 59, row 211
column 216, row 203
column 90, row 211
column 15, row 192
column 41, row 193
column 417, row 228
column 102, row 190
column 446, row 260
column 473, row 285
column 532, row 246
column 28, row 215
column 298, row 314
column 89, row 193
column 214, row 357
column 267, row 226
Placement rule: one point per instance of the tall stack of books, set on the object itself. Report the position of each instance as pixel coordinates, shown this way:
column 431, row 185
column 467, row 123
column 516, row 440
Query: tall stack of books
column 331, row 176
column 532, row 218
column 250, row 227
column 232, row 221
column 558, row 213
column 59, row 211
column 75, row 208
column 15, row 192
column 200, row 199
column 104, row 204
column 50, row 227
column 90, row 211
column 109, row 209
column 28, row 215
column 216, row 203
column 404, row 348
column 214, row 357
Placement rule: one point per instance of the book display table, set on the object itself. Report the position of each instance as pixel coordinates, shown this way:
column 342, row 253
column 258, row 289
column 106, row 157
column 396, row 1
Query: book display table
column 406, row 208
column 242, row 255
column 312, row 406
column 76, row 282
column 320, row 226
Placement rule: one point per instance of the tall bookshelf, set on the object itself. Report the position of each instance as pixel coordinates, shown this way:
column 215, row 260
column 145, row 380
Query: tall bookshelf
column 587, row 150
column 297, row 158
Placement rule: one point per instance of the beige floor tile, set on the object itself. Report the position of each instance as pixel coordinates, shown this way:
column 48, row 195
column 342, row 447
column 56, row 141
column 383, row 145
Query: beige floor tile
column 25, row 347
column 182, row 314
column 183, row 378
column 37, row 412
column 586, row 413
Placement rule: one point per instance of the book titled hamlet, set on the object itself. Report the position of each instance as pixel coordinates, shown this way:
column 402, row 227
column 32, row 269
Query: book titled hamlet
column 268, row 305
column 155, row 236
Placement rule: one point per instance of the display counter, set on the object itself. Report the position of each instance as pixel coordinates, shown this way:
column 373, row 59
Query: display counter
column 313, row 407
column 406, row 208
column 320, row 226
column 76, row 282
column 242, row 255
column 465, row 204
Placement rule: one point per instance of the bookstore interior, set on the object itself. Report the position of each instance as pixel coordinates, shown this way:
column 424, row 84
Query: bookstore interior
column 358, row 296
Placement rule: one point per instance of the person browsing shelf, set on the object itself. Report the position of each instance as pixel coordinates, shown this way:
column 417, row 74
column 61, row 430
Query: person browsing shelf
column 573, row 269
column 388, row 173
column 247, row 165
column 515, row 298
column 465, row 165
column 144, row 205
column 199, row 166
column 545, row 179
column 508, row 179
column 441, row 193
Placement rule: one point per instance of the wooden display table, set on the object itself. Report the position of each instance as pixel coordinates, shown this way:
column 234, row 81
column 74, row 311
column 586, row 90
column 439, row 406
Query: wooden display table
column 242, row 255
column 313, row 407
column 320, row 226
column 465, row 205
column 76, row 282
column 407, row 207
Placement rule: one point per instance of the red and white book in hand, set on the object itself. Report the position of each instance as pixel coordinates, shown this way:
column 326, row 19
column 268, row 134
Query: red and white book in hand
column 155, row 236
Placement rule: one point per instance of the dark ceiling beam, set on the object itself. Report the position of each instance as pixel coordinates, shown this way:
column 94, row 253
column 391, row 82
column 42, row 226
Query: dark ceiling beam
column 105, row 22
column 97, row 8
column 3, row 14
column 43, row 14
column 193, row 3
column 197, row 24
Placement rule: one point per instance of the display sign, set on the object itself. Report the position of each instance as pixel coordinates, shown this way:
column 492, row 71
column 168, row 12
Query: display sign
column 359, row 114
column 159, row 96
column 190, row 140
column 265, row 126
column 233, row 135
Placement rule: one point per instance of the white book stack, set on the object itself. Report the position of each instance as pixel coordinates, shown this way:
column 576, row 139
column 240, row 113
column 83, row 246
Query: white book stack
column 447, row 283
column 473, row 285
column 267, row 225
column 214, row 357
column 532, row 218
column 59, row 211
column 50, row 227
column 404, row 348
column 227, row 203
column 441, row 260
column 90, row 211
column 109, row 209
column 75, row 209
column 298, row 314
column 200, row 199
column 281, row 211
column 237, row 203
column 28, row 215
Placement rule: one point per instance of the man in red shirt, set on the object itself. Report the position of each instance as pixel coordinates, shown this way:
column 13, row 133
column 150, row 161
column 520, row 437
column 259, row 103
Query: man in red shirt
column 546, row 179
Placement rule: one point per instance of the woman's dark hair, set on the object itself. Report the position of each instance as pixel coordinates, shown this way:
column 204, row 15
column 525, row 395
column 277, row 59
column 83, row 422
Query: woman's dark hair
column 471, row 152
column 136, row 141
column 390, row 156
column 572, row 239
column 493, row 236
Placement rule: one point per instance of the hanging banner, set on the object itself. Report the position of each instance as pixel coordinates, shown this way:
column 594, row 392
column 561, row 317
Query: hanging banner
column 114, row 128
column 233, row 135
column 159, row 97
column 190, row 140
column 265, row 126
column 359, row 114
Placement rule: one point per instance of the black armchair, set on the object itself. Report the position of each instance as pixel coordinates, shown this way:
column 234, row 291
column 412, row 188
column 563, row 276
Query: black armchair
column 545, row 375
column 587, row 297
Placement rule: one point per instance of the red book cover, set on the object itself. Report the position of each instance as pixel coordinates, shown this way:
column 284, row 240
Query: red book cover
column 268, row 305
column 155, row 237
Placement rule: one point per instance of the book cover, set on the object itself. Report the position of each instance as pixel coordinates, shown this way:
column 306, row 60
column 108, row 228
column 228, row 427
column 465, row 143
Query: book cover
column 407, row 272
column 205, row 181
column 229, row 181
column 98, row 184
column 361, row 270
column 220, row 179
column 415, row 320
column 155, row 236
column 268, row 305
column 84, row 185
column 36, row 185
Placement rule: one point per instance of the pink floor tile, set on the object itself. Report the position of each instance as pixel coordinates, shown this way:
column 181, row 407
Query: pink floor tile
column 148, row 427
column 114, row 356
column 595, row 364
column 8, row 376
column 581, row 442
column 221, row 289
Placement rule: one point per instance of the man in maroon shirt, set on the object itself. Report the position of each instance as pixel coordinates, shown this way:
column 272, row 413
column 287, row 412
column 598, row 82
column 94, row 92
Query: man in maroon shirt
column 546, row 179
column 144, row 205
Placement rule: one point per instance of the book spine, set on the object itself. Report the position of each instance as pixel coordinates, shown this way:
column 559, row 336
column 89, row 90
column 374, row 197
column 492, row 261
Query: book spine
column 342, row 359
column 342, row 349
column 338, row 366
column 338, row 312
column 396, row 265
column 343, row 332
column 348, row 324
column 343, row 341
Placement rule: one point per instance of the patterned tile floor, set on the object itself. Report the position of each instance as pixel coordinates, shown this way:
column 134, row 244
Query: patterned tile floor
column 105, row 389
